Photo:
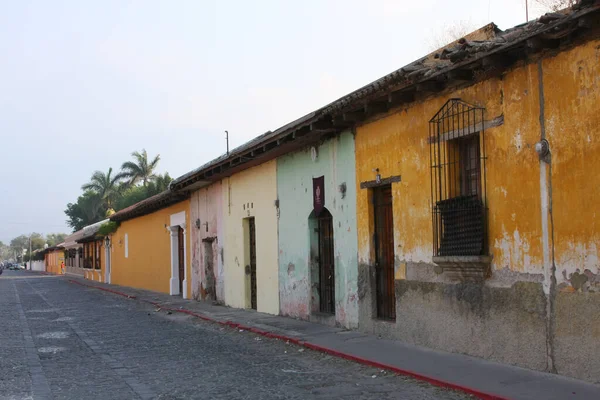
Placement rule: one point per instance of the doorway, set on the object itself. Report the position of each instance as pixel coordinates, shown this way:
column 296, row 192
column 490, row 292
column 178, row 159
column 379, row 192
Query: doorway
column 180, row 257
column 384, row 253
column 252, row 267
column 209, row 291
column 326, row 263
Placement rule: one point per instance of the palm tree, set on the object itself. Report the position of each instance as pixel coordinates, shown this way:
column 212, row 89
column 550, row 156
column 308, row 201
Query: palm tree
column 140, row 169
column 105, row 185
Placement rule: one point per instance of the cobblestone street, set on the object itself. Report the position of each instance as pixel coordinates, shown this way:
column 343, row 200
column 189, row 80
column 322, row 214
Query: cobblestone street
column 64, row 341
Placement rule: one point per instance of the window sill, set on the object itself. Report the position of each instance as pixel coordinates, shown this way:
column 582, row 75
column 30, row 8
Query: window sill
column 465, row 268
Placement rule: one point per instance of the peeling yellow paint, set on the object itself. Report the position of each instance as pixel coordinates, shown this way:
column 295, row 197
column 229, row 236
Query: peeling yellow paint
column 400, row 272
column 397, row 145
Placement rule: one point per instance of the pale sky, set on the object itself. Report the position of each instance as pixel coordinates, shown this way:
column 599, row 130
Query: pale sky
column 85, row 83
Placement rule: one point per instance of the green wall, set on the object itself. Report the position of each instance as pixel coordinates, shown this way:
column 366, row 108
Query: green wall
column 297, row 277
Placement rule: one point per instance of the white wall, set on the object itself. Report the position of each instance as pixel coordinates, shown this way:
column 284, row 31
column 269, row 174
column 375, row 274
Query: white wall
column 38, row 266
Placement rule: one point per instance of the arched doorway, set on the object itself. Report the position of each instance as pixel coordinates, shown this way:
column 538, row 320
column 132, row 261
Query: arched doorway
column 321, row 228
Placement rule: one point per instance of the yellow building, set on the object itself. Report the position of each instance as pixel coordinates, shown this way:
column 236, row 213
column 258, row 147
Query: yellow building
column 149, row 250
column 243, row 231
column 476, row 212
column 93, row 260
column 53, row 258
column 250, row 227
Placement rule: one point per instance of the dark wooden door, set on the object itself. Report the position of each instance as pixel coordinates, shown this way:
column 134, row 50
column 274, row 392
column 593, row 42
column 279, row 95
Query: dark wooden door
column 181, row 258
column 326, row 264
column 253, row 283
column 384, row 253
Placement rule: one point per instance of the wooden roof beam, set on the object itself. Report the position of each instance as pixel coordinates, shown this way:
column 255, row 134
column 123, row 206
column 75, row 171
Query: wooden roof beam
column 353, row 116
column 429, row 86
column 376, row 107
column 460, row 75
column 397, row 97
column 321, row 124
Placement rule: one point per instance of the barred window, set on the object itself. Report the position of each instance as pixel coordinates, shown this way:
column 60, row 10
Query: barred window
column 457, row 155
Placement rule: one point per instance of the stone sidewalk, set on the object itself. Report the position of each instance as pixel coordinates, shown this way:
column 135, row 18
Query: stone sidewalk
column 484, row 379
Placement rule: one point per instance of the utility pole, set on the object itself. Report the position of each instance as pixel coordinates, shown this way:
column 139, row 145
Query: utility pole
column 29, row 251
column 526, row 12
column 227, row 140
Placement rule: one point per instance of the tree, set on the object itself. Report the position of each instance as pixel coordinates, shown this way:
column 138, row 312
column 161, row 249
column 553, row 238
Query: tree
column 88, row 210
column 19, row 244
column 55, row 238
column 37, row 241
column 140, row 169
column 160, row 184
column 130, row 196
column 105, row 185
column 135, row 194
column 449, row 33
column 556, row 5
column 4, row 251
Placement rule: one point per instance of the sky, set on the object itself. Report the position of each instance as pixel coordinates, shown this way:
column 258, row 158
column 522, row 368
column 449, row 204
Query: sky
column 85, row 83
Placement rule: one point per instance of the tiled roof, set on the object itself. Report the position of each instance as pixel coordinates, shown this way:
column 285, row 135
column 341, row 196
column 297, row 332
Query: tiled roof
column 149, row 205
column 484, row 51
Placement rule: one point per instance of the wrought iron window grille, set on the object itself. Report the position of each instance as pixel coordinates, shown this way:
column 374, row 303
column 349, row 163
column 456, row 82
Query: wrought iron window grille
column 458, row 180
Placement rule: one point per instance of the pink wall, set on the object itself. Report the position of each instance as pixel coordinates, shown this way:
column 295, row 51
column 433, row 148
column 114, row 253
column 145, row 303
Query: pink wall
column 207, row 243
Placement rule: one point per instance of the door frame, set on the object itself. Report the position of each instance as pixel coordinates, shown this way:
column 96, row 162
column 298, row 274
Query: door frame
column 325, row 295
column 385, row 306
column 248, row 264
column 178, row 221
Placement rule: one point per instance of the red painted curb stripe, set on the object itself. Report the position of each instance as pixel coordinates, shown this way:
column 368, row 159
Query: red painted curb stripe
column 101, row 288
column 315, row 347
column 416, row 375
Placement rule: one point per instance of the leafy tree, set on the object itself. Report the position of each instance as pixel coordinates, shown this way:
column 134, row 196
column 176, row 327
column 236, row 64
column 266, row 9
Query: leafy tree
column 159, row 185
column 88, row 210
column 37, row 241
column 135, row 194
column 105, row 185
column 19, row 244
column 140, row 169
column 132, row 195
column 4, row 251
column 55, row 238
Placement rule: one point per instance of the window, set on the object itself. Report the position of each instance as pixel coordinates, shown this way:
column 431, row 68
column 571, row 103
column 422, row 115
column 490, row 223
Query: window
column 97, row 258
column 87, row 256
column 457, row 155
column 126, row 246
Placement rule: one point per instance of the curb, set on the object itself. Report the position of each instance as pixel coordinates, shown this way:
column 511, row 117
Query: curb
column 311, row 346
column 104, row 289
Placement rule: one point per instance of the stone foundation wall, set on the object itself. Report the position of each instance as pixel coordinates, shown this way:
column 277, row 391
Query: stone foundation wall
column 503, row 324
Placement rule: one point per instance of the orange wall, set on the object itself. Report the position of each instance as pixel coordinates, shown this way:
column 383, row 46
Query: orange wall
column 53, row 261
column 397, row 145
column 148, row 265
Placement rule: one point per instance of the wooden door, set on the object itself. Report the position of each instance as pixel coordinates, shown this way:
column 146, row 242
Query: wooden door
column 253, row 283
column 326, row 264
column 384, row 253
column 181, row 258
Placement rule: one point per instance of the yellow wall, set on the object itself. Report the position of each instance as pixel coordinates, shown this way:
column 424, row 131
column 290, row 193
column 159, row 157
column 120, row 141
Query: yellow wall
column 572, row 91
column 53, row 260
column 251, row 193
column 148, row 265
column 93, row 273
column 397, row 145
